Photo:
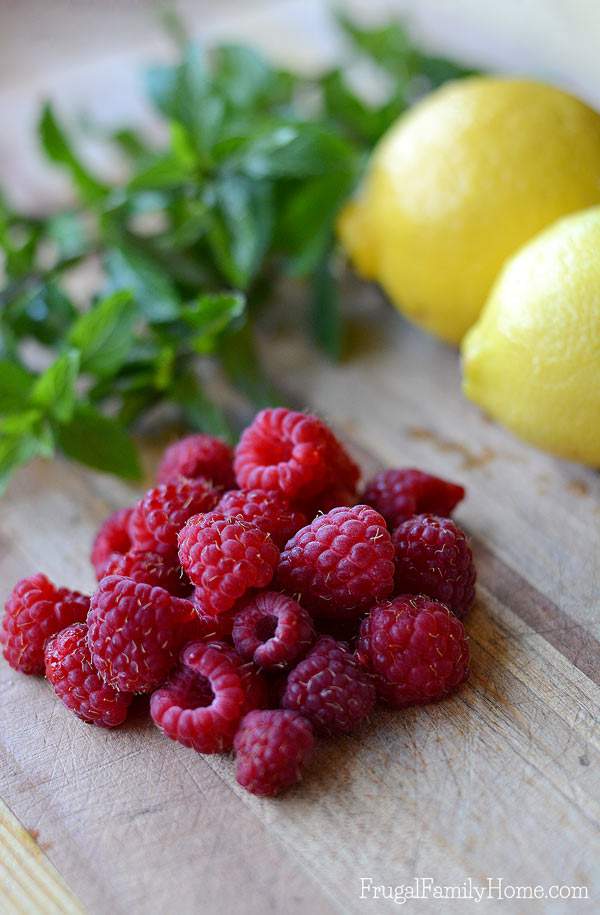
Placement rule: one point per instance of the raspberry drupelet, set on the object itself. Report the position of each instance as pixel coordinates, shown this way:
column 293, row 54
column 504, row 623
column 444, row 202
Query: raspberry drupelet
column 204, row 700
column 271, row 748
column 273, row 630
column 416, row 648
column 112, row 540
column 35, row 610
column 269, row 511
column 161, row 513
column 76, row 682
column 340, row 564
column 225, row 558
column 433, row 557
column 330, row 688
column 295, row 453
column 135, row 632
column 198, row 456
column 399, row 494
column 152, row 569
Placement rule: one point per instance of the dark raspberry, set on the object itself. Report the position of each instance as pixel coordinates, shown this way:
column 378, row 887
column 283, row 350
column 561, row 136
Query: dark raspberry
column 268, row 511
column 203, row 702
column 152, row 569
column 224, row 558
column 416, row 648
column 271, row 748
column 208, row 627
column 273, row 630
column 341, row 563
column 76, row 682
column 331, row 498
column 160, row 515
column 198, row 456
column 294, row 453
column 433, row 557
column 330, row 688
column 135, row 633
column 399, row 494
column 112, row 540
column 36, row 610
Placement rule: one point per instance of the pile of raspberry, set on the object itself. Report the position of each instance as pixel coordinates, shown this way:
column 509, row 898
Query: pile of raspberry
column 261, row 600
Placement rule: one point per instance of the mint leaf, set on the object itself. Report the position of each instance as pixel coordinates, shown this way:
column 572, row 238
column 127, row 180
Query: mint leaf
column 45, row 313
column 54, row 391
column 212, row 312
column 104, row 334
column 295, row 150
column 240, row 360
column 100, row 442
column 58, row 149
column 128, row 268
column 242, row 224
column 15, row 386
column 326, row 316
column 16, row 451
column 199, row 411
column 68, row 233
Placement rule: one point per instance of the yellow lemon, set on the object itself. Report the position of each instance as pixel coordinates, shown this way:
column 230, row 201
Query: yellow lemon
column 533, row 359
column 459, row 183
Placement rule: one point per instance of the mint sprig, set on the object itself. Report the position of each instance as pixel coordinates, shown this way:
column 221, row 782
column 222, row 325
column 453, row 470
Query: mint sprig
column 192, row 244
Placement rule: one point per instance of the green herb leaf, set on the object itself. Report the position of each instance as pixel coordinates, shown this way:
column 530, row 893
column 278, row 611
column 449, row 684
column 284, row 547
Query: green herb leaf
column 15, row 451
column 241, row 227
column 211, row 313
column 54, row 391
column 15, row 387
column 44, row 313
column 199, row 411
column 100, row 442
column 128, row 268
column 58, row 149
column 104, row 334
column 295, row 150
column 326, row 316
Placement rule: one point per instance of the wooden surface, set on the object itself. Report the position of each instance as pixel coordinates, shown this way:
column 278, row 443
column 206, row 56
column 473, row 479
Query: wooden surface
column 500, row 781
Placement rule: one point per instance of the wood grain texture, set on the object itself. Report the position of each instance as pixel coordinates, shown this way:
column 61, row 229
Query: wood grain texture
column 502, row 780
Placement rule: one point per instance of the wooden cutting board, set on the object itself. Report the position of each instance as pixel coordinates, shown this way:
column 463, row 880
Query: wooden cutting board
column 500, row 781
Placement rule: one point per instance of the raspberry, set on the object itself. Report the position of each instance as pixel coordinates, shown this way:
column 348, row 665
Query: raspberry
column 433, row 557
column 330, row 688
column 152, row 569
column 399, row 494
column 416, row 648
column 294, row 453
column 135, row 632
column 331, row 498
column 112, row 540
column 273, row 630
column 203, row 702
column 341, row 563
column 271, row 747
column 160, row 515
column 224, row 558
column 76, row 682
column 36, row 610
column 269, row 511
column 207, row 626
column 198, row 456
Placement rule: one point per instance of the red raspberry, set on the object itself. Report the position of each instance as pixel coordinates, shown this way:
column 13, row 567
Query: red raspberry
column 76, row 682
column 273, row 630
column 135, row 632
column 271, row 747
column 399, row 494
column 330, row 688
column 433, row 557
column 268, row 511
column 112, row 540
column 208, row 627
column 160, row 515
column 36, row 610
column 331, row 498
column 341, row 563
column 416, row 648
column 294, row 453
column 198, row 456
column 152, row 569
column 224, row 558
column 203, row 702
